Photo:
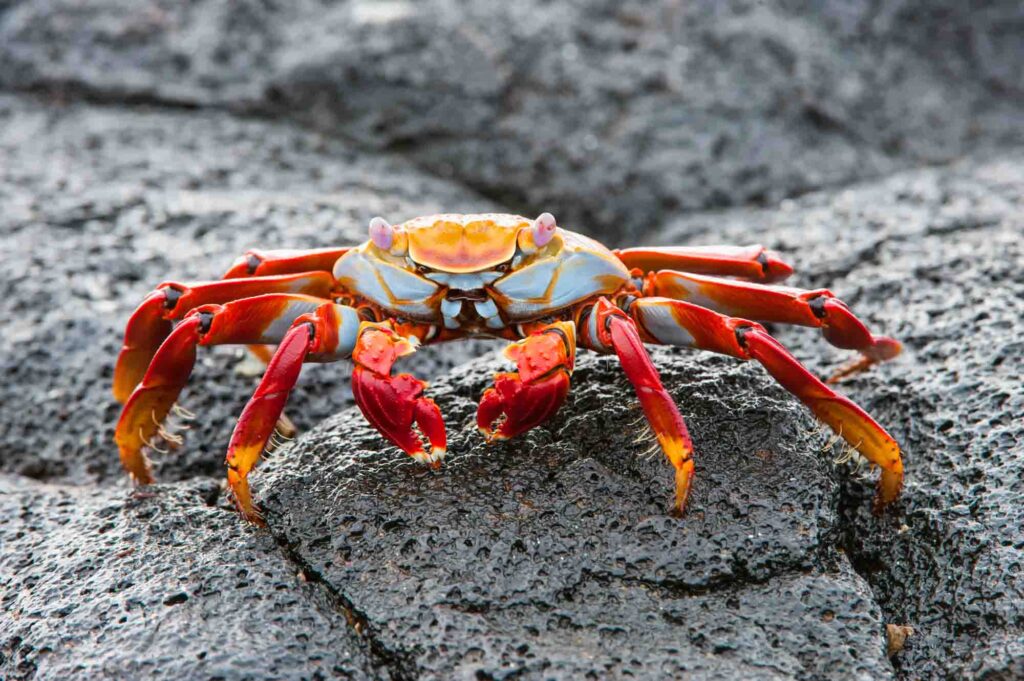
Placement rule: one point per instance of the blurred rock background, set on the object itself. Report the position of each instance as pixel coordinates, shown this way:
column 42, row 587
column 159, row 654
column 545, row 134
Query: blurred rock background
column 878, row 145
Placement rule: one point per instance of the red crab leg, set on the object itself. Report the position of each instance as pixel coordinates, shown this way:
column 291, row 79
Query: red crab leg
column 150, row 324
column 526, row 398
column 326, row 334
column 818, row 308
column 674, row 322
column 262, row 319
column 608, row 328
column 393, row 403
column 749, row 262
column 257, row 263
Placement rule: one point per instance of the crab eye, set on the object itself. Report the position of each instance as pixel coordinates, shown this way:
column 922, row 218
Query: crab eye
column 422, row 268
column 503, row 267
column 381, row 233
column 543, row 229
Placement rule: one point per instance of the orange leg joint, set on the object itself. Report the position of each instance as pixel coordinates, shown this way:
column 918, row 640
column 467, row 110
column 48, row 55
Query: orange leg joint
column 526, row 398
column 393, row 404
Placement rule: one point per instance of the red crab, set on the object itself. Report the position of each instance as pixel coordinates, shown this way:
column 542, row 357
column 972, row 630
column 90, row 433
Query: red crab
column 445, row 277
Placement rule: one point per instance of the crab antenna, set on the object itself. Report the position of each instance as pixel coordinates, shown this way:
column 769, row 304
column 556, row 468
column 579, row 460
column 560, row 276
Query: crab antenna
column 543, row 229
column 381, row 233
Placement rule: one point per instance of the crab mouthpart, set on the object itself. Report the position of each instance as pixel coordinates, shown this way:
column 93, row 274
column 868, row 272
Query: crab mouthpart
column 475, row 295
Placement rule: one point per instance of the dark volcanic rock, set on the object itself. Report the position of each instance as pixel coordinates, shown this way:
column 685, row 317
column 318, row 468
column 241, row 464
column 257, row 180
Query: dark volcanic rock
column 936, row 258
column 553, row 556
column 100, row 205
column 608, row 113
column 97, row 584
column 550, row 556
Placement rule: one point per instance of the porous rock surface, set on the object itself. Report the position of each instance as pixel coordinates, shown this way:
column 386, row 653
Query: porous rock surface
column 553, row 556
column 145, row 151
column 936, row 258
column 101, row 205
column 100, row 584
column 653, row 106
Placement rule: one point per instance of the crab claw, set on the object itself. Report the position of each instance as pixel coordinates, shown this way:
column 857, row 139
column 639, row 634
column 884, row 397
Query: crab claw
column 524, row 399
column 392, row 404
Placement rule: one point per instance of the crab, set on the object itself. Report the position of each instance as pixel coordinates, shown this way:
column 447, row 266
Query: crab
column 440, row 278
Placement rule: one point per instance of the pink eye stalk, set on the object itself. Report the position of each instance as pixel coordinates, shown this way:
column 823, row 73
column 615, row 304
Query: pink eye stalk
column 381, row 233
column 543, row 229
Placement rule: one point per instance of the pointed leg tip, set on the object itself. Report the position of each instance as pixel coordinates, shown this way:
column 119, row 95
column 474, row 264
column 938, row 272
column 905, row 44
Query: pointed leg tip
column 684, row 476
column 136, row 465
column 886, row 348
column 141, row 478
column 254, row 518
column 433, row 458
column 436, row 457
column 890, row 484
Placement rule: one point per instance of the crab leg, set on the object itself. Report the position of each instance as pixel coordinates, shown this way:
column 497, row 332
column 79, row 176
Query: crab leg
column 324, row 335
column 753, row 262
column 526, row 398
column 262, row 319
column 818, row 308
column 608, row 328
column 674, row 322
column 151, row 322
column 393, row 403
column 259, row 263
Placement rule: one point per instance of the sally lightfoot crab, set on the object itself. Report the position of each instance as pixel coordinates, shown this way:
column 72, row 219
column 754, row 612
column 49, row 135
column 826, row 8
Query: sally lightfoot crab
column 445, row 277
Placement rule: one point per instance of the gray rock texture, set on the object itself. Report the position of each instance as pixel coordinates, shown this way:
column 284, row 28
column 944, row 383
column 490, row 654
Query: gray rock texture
column 150, row 141
column 936, row 258
column 653, row 106
column 99, row 584
column 101, row 205
column 553, row 556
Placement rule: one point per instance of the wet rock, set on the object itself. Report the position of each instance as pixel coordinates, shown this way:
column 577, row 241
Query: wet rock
column 102, row 204
column 936, row 258
column 650, row 106
column 552, row 556
column 95, row 583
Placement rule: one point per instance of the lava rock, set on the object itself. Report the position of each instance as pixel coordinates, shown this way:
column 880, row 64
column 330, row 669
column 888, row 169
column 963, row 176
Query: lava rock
column 934, row 257
column 163, row 585
column 651, row 106
column 553, row 555
column 103, row 204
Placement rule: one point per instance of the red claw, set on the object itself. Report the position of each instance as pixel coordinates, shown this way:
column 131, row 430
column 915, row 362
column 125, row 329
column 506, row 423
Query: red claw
column 524, row 399
column 392, row 404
